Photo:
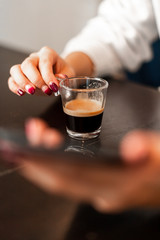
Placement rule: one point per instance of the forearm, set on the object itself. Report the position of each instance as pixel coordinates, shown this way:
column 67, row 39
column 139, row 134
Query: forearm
column 120, row 40
column 81, row 63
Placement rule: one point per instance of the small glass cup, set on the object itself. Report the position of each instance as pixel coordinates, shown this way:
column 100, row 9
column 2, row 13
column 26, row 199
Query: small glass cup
column 83, row 100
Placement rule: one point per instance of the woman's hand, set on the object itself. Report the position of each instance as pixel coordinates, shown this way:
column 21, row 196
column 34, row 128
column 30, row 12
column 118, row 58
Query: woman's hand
column 136, row 183
column 39, row 71
column 107, row 188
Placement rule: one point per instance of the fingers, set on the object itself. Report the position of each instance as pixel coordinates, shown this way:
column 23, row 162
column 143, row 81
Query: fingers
column 14, row 87
column 38, row 174
column 27, row 76
column 51, row 176
column 138, row 146
column 39, row 71
column 83, row 183
column 19, row 80
column 108, row 188
column 36, row 71
column 134, row 147
column 47, row 59
column 19, row 83
column 29, row 68
column 38, row 133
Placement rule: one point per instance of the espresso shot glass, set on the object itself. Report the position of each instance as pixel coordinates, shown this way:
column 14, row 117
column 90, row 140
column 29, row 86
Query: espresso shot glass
column 83, row 100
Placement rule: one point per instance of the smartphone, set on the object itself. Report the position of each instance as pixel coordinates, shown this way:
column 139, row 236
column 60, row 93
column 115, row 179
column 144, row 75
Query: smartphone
column 15, row 141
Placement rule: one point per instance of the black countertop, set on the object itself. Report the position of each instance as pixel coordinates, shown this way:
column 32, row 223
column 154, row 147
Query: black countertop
column 28, row 213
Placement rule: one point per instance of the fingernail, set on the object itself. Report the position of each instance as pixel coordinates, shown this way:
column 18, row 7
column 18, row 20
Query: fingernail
column 53, row 86
column 30, row 89
column 20, row 92
column 60, row 75
column 46, row 90
column 65, row 76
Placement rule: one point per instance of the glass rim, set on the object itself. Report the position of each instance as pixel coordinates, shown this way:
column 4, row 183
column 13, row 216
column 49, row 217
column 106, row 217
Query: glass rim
column 106, row 84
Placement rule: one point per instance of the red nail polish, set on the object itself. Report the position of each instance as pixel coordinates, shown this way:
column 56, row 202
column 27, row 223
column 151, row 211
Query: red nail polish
column 31, row 90
column 54, row 87
column 48, row 91
column 65, row 76
column 20, row 92
column 60, row 75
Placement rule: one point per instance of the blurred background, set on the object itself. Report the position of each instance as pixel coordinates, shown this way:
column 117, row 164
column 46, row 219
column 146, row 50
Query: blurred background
column 27, row 25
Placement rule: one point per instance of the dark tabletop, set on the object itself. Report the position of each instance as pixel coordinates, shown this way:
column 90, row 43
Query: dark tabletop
column 28, row 213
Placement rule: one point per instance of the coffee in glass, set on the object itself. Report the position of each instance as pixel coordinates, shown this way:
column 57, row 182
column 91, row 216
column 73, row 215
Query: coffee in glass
column 83, row 100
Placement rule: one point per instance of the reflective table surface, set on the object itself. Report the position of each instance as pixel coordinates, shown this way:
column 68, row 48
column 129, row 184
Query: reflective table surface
column 26, row 212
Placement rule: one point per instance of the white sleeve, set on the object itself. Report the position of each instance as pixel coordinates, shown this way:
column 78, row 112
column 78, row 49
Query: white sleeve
column 120, row 36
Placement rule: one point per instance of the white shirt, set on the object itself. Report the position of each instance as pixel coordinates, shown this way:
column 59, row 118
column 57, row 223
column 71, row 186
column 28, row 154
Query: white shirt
column 120, row 36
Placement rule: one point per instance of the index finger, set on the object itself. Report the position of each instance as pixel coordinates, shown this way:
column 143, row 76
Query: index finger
column 47, row 59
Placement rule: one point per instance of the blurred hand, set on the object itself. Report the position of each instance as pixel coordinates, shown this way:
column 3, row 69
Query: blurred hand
column 39, row 71
column 107, row 188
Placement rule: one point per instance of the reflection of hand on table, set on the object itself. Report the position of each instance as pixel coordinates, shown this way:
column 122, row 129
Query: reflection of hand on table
column 107, row 188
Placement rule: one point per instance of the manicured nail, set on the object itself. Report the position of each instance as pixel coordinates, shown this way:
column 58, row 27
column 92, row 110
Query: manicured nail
column 53, row 86
column 65, row 76
column 30, row 89
column 60, row 75
column 46, row 90
column 20, row 92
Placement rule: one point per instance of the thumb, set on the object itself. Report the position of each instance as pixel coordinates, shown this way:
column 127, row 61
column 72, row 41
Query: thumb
column 138, row 146
column 40, row 134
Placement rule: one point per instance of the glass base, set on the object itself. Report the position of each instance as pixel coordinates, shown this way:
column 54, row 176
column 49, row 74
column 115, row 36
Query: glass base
column 83, row 136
